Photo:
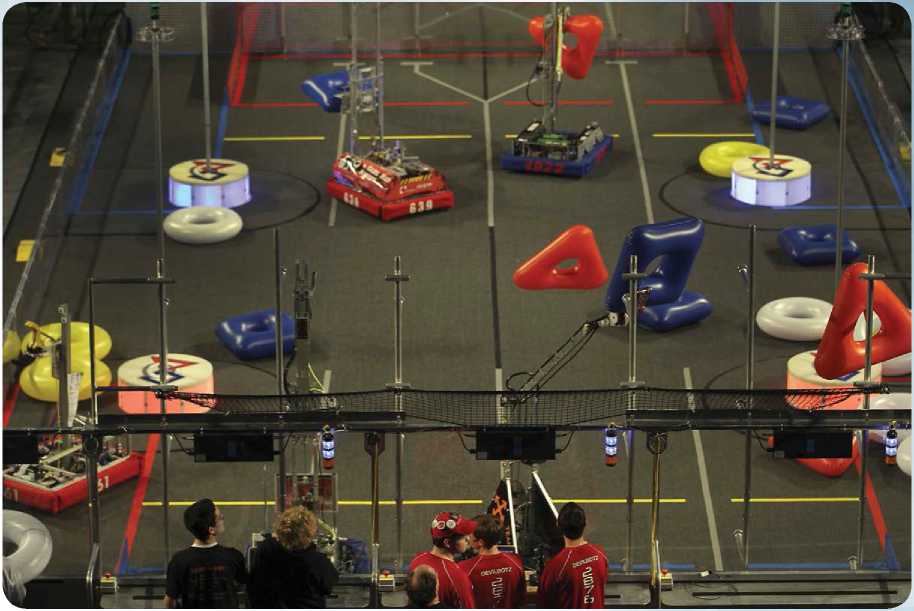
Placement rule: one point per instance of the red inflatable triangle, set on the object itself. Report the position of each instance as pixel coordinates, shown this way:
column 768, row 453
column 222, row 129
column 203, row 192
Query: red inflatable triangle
column 587, row 29
column 838, row 354
column 542, row 271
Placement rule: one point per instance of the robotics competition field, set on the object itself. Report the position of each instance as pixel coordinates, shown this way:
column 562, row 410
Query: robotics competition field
column 456, row 92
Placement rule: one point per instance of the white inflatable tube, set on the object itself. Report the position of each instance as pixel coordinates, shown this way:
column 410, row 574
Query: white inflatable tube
column 33, row 543
column 202, row 225
column 904, row 456
column 796, row 319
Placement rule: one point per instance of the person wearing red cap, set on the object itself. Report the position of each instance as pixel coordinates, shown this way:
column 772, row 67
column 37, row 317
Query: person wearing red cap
column 573, row 578
column 497, row 577
column 449, row 537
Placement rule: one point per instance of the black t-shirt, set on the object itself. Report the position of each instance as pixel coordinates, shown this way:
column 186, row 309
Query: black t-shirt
column 206, row 577
column 298, row 579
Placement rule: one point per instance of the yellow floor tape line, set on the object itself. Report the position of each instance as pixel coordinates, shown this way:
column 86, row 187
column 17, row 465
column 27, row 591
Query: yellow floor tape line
column 422, row 137
column 801, row 499
column 24, row 250
column 58, row 157
column 513, row 136
column 274, row 138
column 700, row 135
column 390, row 503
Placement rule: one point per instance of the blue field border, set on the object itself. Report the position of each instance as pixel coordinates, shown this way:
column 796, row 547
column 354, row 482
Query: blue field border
column 95, row 142
column 866, row 108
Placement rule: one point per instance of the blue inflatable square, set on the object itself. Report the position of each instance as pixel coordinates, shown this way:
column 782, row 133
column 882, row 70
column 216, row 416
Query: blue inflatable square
column 816, row 244
column 326, row 89
column 791, row 112
column 253, row 335
column 689, row 309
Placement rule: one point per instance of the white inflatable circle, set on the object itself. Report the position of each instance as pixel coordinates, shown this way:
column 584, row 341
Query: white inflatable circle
column 860, row 327
column 904, row 456
column 202, row 225
column 33, row 543
column 797, row 319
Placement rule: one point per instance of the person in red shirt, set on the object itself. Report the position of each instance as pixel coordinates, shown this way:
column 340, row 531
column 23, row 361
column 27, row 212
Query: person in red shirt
column 573, row 578
column 497, row 577
column 449, row 537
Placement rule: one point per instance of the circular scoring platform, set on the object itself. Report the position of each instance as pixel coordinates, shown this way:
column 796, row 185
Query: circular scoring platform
column 225, row 184
column 756, row 181
column 189, row 373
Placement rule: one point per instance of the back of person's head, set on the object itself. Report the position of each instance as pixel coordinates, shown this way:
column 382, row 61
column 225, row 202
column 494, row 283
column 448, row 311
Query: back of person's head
column 200, row 517
column 295, row 528
column 572, row 521
column 488, row 532
column 422, row 586
column 448, row 528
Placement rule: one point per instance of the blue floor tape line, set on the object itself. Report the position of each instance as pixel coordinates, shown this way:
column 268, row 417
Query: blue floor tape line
column 866, row 108
column 223, row 123
column 122, row 565
column 95, row 143
column 810, row 566
column 891, row 560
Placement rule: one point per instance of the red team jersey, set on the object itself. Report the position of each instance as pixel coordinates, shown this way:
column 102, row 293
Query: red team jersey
column 574, row 579
column 454, row 588
column 498, row 581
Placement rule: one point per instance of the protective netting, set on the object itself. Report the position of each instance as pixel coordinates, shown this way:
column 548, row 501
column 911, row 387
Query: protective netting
column 542, row 408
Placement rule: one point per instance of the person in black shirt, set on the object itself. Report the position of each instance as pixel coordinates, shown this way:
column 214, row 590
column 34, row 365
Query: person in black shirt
column 287, row 569
column 422, row 589
column 204, row 575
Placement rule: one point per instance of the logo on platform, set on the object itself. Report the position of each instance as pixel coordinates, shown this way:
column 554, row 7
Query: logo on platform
column 775, row 168
column 199, row 170
column 151, row 371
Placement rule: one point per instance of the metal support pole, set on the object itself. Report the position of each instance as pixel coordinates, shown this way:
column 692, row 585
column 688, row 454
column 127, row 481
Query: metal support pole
column 842, row 143
column 157, row 126
column 774, row 79
column 685, row 24
column 63, row 367
column 416, row 22
column 632, row 276
column 280, row 369
column 553, row 66
column 379, row 78
column 748, row 274
column 656, row 443
column 90, row 451
column 374, row 444
column 354, row 79
column 163, row 379
column 845, row 29
column 204, row 38
column 398, row 277
column 861, row 439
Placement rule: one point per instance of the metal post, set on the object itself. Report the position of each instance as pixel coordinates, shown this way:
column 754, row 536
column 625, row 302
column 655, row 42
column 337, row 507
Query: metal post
column 90, row 451
column 774, row 79
column 748, row 273
column 204, row 38
column 157, row 126
column 861, row 439
column 354, row 78
column 374, row 446
column 633, row 276
column 397, row 278
column 842, row 143
column 553, row 65
column 379, row 78
column 280, row 369
column 92, row 351
column 685, row 24
column 63, row 367
column 656, row 443
column 846, row 29
column 163, row 379
column 416, row 22
column 283, row 29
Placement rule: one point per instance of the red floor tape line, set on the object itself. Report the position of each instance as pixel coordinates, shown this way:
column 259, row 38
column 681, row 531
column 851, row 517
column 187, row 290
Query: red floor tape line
column 694, row 102
column 9, row 402
column 872, row 502
column 139, row 494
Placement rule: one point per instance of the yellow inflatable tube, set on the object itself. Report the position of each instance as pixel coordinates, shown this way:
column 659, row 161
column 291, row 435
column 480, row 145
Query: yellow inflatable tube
column 79, row 339
column 717, row 159
column 37, row 382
